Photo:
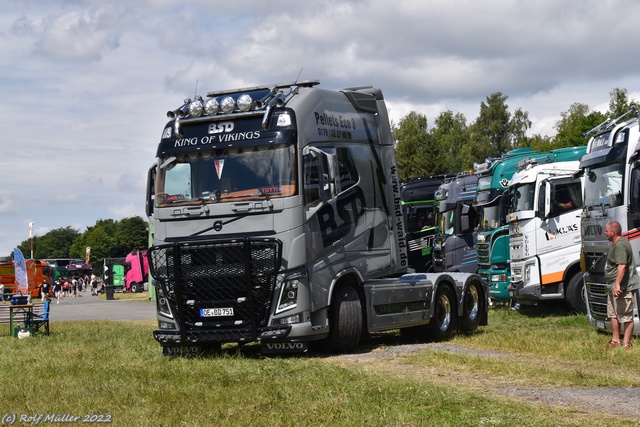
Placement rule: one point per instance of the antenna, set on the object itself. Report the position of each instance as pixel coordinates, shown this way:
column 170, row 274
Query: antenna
column 296, row 82
column 195, row 92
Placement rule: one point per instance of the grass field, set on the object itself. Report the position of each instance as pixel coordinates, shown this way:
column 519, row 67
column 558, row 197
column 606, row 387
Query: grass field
column 115, row 368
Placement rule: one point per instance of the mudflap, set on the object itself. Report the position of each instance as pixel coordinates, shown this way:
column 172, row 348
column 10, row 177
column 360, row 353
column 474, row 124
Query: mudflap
column 284, row 347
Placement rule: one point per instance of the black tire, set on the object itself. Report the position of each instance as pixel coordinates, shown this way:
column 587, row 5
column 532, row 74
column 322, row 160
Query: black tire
column 345, row 321
column 442, row 323
column 471, row 308
column 135, row 287
column 574, row 294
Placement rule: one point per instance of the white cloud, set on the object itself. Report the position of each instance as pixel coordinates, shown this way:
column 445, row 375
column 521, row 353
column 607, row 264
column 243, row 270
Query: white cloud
column 81, row 35
column 88, row 84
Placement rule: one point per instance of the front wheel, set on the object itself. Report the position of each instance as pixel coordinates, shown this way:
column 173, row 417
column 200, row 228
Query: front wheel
column 574, row 294
column 345, row 321
column 442, row 323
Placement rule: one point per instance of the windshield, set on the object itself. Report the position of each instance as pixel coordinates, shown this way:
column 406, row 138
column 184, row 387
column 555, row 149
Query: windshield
column 603, row 185
column 234, row 173
column 522, row 197
column 489, row 216
column 420, row 218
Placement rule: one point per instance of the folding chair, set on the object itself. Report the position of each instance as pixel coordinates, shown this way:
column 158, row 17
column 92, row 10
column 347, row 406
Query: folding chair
column 38, row 320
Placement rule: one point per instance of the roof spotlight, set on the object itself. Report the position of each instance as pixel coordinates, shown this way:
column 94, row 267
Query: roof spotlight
column 227, row 105
column 211, row 107
column 245, row 102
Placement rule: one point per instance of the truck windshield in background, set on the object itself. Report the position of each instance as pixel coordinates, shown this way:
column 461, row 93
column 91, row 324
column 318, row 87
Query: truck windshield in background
column 234, row 173
column 523, row 197
column 489, row 214
column 605, row 185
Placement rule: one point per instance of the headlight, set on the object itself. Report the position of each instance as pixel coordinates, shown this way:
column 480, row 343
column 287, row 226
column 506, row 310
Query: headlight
column 498, row 277
column 227, row 105
column 527, row 273
column 244, row 102
column 163, row 303
column 211, row 107
column 288, row 299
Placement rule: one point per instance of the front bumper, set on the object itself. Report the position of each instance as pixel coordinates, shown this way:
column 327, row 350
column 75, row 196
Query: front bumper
column 175, row 337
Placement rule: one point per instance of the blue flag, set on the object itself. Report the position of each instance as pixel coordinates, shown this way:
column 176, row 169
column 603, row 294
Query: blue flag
column 20, row 272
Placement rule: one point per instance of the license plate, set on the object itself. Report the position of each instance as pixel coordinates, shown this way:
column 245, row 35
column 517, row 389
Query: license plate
column 216, row 312
column 600, row 324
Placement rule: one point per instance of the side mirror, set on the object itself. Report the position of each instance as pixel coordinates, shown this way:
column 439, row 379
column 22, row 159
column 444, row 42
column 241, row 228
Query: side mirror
column 151, row 191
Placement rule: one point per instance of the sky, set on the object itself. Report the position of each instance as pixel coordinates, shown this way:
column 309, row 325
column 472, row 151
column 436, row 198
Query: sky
column 85, row 85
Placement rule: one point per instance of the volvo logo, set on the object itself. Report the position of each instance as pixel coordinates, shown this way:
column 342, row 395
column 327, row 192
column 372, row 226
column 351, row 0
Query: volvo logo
column 284, row 347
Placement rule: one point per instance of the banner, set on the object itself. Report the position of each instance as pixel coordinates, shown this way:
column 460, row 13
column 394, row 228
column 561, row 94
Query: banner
column 20, row 268
column 31, row 230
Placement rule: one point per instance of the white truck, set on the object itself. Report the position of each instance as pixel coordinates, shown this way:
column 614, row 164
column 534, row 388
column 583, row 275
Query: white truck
column 277, row 219
column 611, row 170
column 544, row 233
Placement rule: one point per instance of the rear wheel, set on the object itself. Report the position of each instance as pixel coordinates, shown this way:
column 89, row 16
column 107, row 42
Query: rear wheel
column 443, row 322
column 574, row 294
column 135, row 287
column 345, row 321
column 471, row 308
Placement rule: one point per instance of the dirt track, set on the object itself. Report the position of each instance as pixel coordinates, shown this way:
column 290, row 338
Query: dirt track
column 389, row 359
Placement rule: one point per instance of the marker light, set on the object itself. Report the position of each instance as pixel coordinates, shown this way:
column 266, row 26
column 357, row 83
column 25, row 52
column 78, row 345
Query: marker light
column 244, row 102
column 211, row 107
column 227, row 105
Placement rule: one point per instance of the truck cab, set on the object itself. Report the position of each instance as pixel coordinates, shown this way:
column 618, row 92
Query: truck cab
column 420, row 212
column 277, row 217
column 491, row 203
column 454, row 248
column 611, row 171
column 544, row 233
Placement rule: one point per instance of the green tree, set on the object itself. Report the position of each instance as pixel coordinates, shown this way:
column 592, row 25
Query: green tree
column 519, row 125
column 101, row 243
column 574, row 123
column 619, row 103
column 414, row 151
column 55, row 244
column 493, row 124
column 110, row 226
column 477, row 149
column 451, row 135
column 131, row 233
column 495, row 131
column 540, row 143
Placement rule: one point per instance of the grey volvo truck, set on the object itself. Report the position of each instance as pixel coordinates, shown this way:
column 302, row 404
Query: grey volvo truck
column 277, row 219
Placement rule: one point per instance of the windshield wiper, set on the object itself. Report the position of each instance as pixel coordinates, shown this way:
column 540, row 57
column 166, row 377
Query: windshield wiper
column 266, row 196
